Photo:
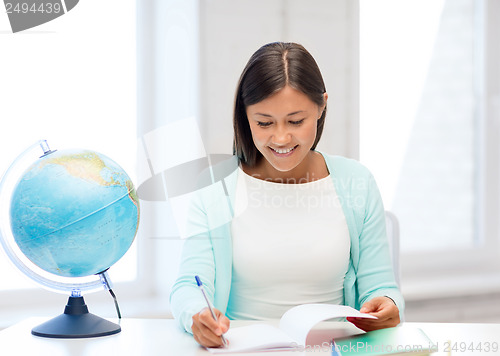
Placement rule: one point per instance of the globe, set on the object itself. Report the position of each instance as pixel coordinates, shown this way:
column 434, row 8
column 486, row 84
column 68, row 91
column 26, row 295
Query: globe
column 66, row 217
column 74, row 213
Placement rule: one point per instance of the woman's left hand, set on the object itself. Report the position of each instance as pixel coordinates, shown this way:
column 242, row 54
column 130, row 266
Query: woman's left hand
column 383, row 308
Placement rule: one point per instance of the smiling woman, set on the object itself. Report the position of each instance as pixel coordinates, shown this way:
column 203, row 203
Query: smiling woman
column 273, row 68
column 262, row 244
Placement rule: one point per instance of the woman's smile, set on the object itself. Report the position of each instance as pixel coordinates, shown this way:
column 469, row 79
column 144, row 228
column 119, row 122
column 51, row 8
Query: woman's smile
column 283, row 152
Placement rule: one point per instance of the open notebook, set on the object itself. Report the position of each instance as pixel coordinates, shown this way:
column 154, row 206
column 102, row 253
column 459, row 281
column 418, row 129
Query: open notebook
column 293, row 329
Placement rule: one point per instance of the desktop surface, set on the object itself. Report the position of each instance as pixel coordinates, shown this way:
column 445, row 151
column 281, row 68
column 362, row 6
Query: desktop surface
column 164, row 337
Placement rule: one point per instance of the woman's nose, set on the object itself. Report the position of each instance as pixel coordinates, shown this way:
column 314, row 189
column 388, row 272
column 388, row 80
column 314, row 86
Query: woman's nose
column 281, row 136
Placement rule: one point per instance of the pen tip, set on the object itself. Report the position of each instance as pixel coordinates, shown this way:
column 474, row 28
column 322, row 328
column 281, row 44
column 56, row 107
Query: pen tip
column 198, row 281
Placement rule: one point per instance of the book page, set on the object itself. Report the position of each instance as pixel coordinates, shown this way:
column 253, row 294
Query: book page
column 255, row 337
column 298, row 321
column 292, row 333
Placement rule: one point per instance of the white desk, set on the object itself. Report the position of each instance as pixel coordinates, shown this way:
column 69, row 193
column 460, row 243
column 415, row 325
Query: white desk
column 149, row 337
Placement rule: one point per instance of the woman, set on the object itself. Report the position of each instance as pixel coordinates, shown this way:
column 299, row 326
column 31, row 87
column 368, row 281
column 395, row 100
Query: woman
column 284, row 224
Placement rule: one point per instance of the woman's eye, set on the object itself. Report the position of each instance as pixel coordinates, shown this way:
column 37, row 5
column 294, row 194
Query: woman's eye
column 297, row 122
column 263, row 124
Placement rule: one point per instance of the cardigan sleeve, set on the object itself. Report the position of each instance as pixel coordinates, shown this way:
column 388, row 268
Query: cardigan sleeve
column 197, row 259
column 374, row 268
column 207, row 250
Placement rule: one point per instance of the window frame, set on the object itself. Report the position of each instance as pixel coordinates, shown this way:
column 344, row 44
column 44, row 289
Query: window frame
column 475, row 270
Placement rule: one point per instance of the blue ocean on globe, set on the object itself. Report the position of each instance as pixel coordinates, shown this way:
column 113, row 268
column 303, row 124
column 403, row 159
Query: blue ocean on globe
column 74, row 213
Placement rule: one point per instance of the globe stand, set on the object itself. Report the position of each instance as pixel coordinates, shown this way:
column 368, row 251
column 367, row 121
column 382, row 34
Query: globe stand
column 76, row 322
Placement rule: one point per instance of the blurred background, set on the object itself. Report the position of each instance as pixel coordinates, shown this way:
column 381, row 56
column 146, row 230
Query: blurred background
column 414, row 94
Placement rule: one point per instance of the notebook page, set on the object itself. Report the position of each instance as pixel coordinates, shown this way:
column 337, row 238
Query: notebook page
column 298, row 321
column 255, row 337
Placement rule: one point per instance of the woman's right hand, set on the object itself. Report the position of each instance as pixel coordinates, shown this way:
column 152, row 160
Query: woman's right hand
column 206, row 331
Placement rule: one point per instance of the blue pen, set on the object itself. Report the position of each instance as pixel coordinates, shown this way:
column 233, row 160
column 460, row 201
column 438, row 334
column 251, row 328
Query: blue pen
column 335, row 350
column 198, row 281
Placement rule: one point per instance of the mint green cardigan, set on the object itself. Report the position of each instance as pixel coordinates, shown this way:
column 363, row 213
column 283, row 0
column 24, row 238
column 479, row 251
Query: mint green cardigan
column 207, row 251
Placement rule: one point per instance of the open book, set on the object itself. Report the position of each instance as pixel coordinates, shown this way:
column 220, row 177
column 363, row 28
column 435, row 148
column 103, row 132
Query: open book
column 293, row 329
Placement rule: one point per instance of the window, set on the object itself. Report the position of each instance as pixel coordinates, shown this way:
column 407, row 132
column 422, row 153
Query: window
column 424, row 127
column 71, row 81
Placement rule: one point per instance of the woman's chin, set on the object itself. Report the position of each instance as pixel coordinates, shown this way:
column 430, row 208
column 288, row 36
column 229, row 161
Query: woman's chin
column 283, row 167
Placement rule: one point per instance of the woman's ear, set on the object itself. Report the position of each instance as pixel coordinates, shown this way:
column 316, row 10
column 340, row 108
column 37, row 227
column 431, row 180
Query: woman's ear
column 325, row 99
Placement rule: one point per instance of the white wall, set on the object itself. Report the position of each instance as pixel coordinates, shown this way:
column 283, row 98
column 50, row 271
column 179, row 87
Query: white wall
column 230, row 31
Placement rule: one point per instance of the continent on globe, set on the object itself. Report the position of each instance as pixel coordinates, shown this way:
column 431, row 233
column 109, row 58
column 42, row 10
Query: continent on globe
column 74, row 213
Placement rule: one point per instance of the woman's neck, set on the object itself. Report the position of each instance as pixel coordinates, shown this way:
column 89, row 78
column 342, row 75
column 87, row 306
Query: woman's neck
column 310, row 169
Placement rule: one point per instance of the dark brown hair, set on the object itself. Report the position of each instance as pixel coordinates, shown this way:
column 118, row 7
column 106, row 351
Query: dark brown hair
column 270, row 69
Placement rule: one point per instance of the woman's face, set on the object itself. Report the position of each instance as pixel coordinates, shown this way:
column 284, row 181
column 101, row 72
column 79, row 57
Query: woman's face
column 284, row 127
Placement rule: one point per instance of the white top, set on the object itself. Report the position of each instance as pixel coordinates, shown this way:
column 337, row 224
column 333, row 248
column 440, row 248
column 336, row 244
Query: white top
column 290, row 246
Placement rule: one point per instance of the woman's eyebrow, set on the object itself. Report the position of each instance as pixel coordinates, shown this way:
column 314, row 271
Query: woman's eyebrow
column 290, row 114
column 261, row 114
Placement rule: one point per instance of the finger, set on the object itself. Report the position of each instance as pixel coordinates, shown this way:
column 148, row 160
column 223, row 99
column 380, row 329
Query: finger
column 381, row 307
column 222, row 320
column 224, row 324
column 386, row 312
column 208, row 338
column 205, row 336
column 361, row 321
column 209, row 322
column 379, row 314
column 371, row 306
column 372, row 324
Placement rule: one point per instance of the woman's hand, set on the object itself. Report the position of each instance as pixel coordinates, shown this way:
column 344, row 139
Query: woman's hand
column 383, row 308
column 206, row 331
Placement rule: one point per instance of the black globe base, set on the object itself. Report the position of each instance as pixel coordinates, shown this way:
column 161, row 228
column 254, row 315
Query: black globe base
column 76, row 322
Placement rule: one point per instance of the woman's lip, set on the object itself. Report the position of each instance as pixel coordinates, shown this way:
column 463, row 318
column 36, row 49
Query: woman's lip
column 283, row 154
